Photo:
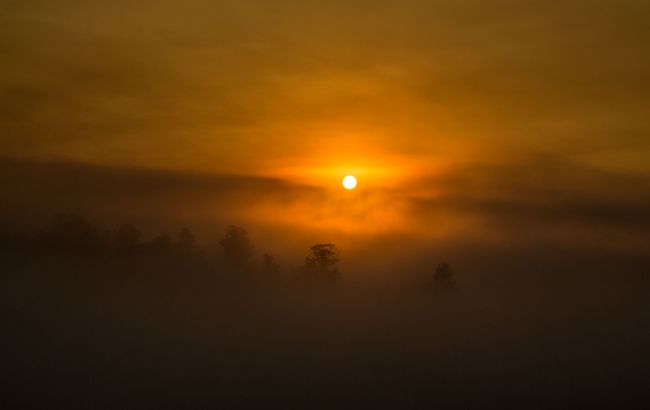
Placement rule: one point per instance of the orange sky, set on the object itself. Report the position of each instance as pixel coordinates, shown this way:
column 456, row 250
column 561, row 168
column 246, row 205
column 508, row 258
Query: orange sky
column 261, row 87
column 452, row 113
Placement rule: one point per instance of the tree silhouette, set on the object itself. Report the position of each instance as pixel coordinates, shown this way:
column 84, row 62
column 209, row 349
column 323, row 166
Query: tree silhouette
column 443, row 278
column 237, row 247
column 270, row 268
column 73, row 233
column 322, row 262
column 186, row 241
column 162, row 243
column 127, row 238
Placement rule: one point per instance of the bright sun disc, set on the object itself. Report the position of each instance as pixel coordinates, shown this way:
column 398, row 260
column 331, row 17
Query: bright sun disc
column 349, row 182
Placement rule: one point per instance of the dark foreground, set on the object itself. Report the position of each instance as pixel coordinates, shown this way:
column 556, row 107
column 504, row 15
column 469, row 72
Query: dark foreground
column 305, row 348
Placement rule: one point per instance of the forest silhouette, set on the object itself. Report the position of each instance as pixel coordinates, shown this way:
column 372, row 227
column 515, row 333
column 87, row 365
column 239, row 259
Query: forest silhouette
column 83, row 254
column 106, row 318
column 86, row 254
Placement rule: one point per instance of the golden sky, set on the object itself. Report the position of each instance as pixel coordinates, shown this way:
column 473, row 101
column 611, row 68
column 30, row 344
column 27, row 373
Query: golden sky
column 446, row 110
column 259, row 86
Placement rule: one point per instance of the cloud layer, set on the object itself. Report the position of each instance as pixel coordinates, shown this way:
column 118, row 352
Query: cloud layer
column 247, row 88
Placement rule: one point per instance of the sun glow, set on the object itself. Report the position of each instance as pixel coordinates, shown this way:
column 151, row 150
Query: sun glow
column 349, row 182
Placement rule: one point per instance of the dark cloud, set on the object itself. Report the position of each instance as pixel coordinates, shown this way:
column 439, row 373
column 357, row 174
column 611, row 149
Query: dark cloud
column 34, row 191
column 543, row 196
column 526, row 201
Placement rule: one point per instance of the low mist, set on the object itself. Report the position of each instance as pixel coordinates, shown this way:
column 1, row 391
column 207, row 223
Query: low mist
column 140, row 293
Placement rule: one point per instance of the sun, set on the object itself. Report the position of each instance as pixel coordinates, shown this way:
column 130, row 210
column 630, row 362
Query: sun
column 349, row 182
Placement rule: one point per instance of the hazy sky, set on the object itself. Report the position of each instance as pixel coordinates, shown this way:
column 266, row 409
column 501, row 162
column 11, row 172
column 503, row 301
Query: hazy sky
column 257, row 86
column 458, row 116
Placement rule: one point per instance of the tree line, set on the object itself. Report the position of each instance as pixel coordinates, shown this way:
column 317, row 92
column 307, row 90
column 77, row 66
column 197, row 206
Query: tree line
column 72, row 244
